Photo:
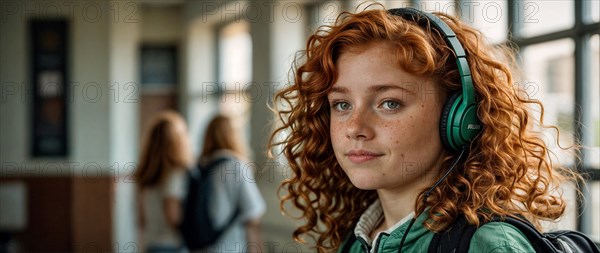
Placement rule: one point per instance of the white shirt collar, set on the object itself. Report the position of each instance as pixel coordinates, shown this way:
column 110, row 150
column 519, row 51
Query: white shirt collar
column 371, row 218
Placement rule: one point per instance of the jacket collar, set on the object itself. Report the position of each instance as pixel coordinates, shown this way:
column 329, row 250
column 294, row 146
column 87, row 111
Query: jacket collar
column 371, row 218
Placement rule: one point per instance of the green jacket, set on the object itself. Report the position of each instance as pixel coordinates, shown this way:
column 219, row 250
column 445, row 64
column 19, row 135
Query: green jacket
column 493, row 237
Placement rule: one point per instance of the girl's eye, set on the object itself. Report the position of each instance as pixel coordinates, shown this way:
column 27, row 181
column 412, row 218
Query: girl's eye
column 391, row 104
column 341, row 106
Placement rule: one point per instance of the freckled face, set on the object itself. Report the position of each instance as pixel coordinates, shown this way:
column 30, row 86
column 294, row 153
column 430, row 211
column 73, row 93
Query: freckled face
column 384, row 122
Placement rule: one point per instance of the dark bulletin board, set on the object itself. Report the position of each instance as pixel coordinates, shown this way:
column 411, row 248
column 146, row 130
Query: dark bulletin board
column 159, row 66
column 48, row 42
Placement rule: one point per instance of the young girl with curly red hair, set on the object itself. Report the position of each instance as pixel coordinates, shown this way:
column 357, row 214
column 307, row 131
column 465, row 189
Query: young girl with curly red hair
column 365, row 128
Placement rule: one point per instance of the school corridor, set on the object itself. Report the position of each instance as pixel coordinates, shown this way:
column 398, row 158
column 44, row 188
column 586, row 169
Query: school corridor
column 80, row 81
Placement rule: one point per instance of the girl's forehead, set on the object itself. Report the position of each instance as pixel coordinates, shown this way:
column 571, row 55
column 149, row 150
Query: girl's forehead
column 381, row 45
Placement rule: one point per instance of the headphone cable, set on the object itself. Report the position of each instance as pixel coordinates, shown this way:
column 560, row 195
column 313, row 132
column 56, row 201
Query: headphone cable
column 412, row 221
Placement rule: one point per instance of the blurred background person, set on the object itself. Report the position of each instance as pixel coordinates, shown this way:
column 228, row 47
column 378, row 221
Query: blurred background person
column 165, row 158
column 234, row 188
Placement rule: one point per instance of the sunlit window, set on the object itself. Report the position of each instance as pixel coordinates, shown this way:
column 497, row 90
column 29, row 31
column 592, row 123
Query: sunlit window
column 593, row 159
column 396, row 3
column 592, row 156
column 562, row 69
column 444, row 6
column 548, row 77
column 489, row 17
column 326, row 12
column 235, row 73
column 594, row 7
column 539, row 17
column 548, row 70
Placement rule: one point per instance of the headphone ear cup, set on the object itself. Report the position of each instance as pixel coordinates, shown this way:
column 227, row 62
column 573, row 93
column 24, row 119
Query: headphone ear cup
column 445, row 121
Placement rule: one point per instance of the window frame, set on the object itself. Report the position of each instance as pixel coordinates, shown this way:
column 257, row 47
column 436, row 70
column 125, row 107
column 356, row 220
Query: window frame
column 582, row 31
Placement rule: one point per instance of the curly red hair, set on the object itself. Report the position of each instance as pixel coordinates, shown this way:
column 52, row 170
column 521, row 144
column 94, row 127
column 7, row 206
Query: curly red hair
column 507, row 169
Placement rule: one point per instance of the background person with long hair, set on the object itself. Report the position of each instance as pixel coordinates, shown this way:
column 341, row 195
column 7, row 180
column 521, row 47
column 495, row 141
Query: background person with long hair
column 360, row 129
column 234, row 187
column 161, row 175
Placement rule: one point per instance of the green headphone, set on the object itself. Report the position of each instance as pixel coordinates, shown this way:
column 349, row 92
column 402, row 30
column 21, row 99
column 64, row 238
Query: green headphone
column 459, row 123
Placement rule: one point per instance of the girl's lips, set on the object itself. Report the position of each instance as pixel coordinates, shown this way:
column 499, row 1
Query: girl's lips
column 361, row 156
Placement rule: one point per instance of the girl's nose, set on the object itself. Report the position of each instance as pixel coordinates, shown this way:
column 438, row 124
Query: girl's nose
column 360, row 126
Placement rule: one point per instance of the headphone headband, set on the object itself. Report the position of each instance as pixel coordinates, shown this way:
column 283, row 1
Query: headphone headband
column 425, row 19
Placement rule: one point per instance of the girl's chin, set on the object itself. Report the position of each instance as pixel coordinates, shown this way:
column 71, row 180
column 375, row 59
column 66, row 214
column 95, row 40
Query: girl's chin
column 364, row 182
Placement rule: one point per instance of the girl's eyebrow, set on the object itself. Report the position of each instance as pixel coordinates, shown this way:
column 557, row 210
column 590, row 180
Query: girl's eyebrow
column 338, row 89
column 386, row 87
column 375, row 88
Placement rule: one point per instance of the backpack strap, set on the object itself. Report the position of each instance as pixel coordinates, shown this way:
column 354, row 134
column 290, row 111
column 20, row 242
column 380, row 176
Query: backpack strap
column 206, row 171
column 557, row 241
column 455, row 239
column 533, row 235
column 350, row 239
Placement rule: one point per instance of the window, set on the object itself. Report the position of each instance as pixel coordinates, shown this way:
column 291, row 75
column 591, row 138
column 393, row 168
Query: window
column 594, row 7
column 540, row 17
column 594, row 110
column 490, row 17
column 324, row 13
column 592, row 131
column 548, row 70
column 235, row 73
column 558, row 45
column 445, row 6
column 559, row 49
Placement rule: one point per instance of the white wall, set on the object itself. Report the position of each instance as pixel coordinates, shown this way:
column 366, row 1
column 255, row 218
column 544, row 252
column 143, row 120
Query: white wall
column 13, row 65
column 90, row 120
column 162, row 23
column 124, row 39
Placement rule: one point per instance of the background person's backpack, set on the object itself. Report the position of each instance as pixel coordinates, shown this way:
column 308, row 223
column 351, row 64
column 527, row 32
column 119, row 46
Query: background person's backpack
column 197, row 228
column 458, row 238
